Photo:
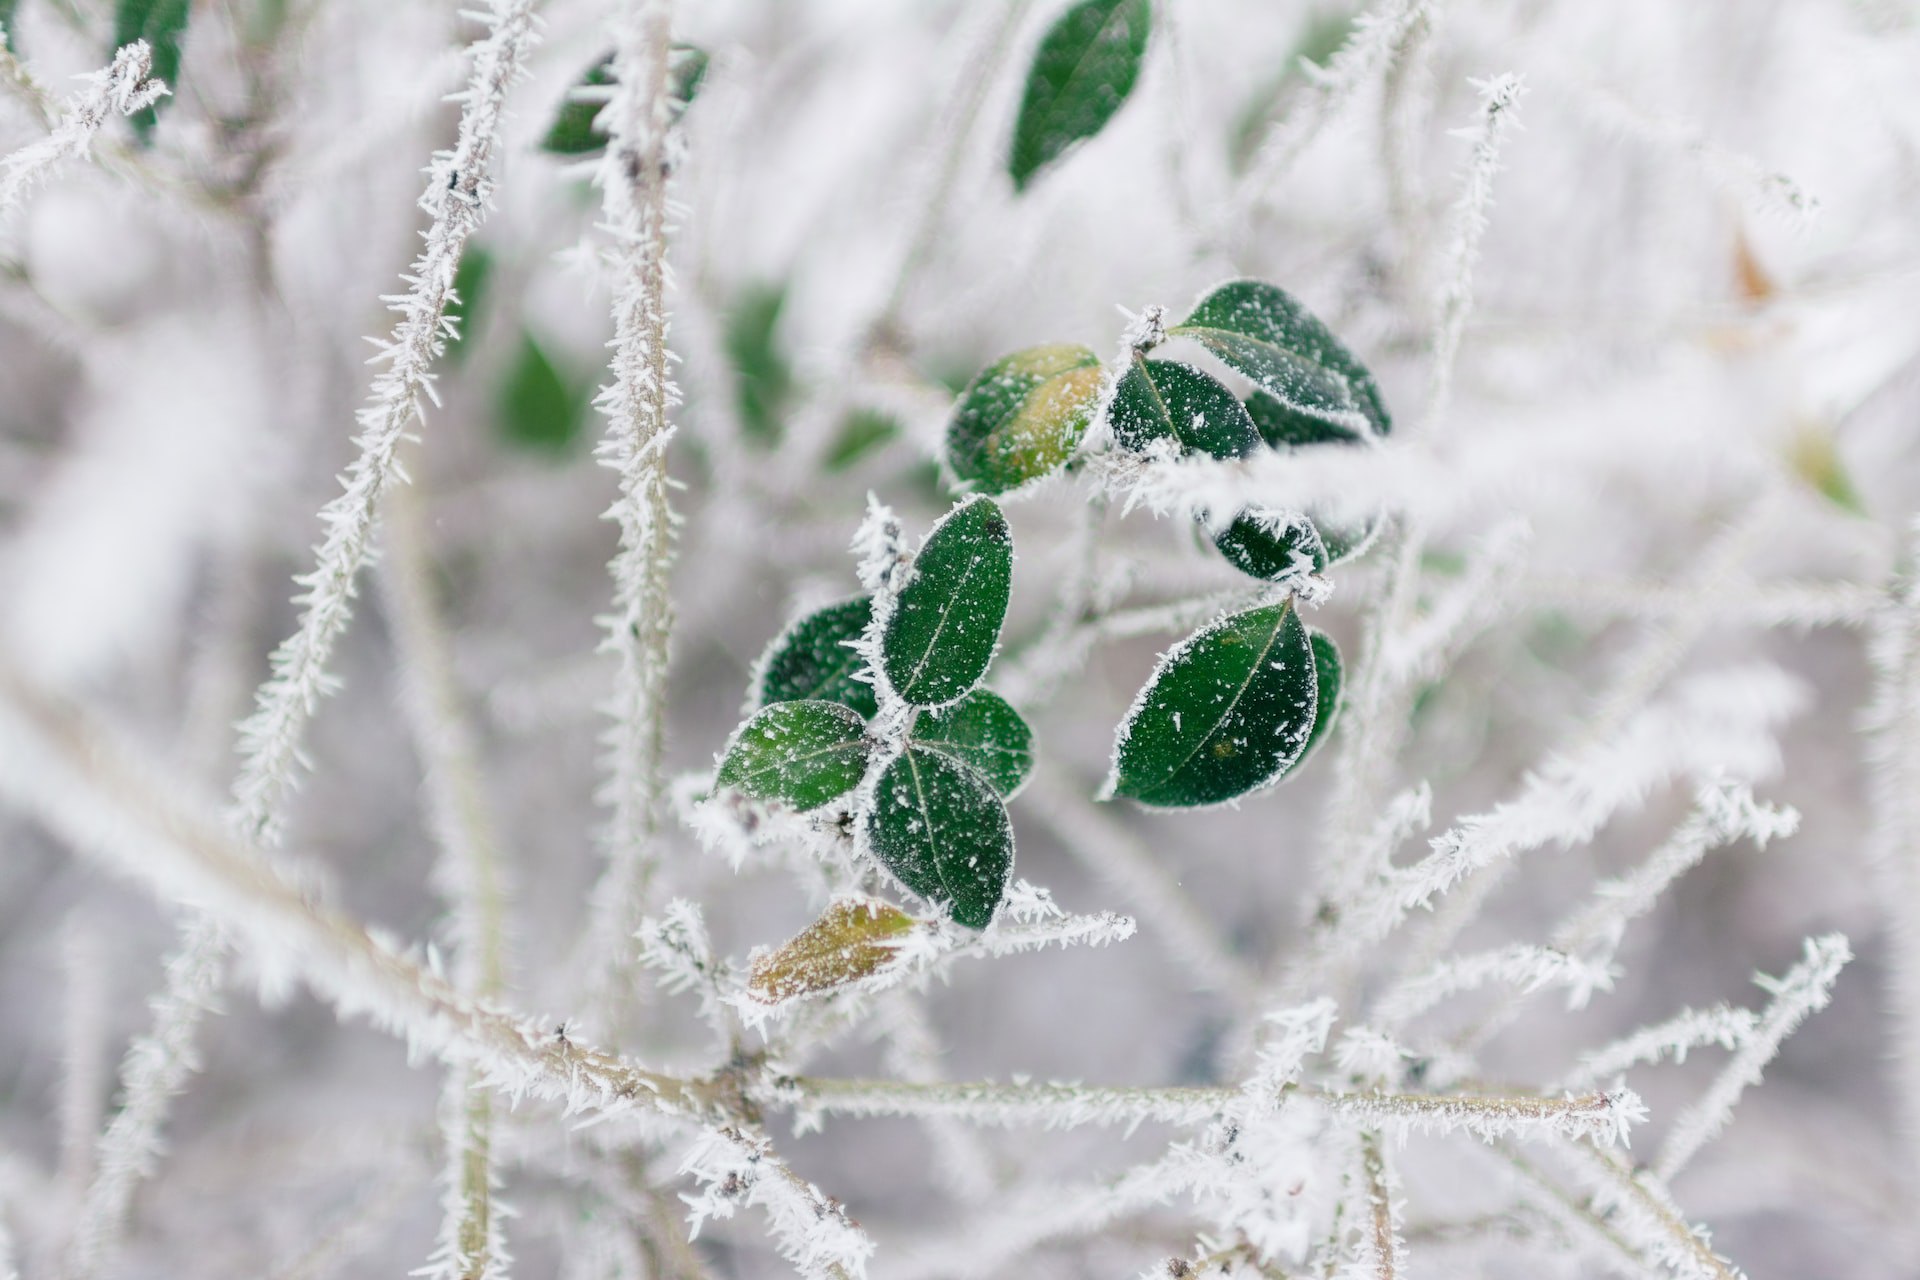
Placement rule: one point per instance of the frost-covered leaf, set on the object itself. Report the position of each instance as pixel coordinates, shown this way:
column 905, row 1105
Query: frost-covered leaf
column 162, row 24
column 946, row 621
column 762, row 377
column 1021, row 419
column 572, row 132
column 814, row 659
column 539, row 407
column 1083, row 71
column 1283, row 427
column 805, row 753
column 1163, row 399
column 1328, row 679
column 1228, row 710
column 939, row 826
column 1267, row 544
column 852, row 939
column 1260, row 330
column 983, row 730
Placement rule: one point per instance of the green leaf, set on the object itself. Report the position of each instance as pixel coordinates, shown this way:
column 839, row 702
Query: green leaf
column 1083, row 71
column 861, row 432
column 812, row 659
column 1262, row 543
column 1162, row 399
column 946, row 620
column 805, row 753
column 1022, row 418
column 538, row 407
column 1287, row 428
column 1327, row 682
column 573, row 133
column 161, row 23
column 938, row 826
column 1263, row 332
column 983, row 730
column 763, row 380
column 470, row 282
column 852, row 939
column 8, row 39
column 1228, row 710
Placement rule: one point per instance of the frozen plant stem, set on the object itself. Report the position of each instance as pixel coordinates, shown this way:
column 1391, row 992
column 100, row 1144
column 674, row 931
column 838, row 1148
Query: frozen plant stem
column 637, row 404
column 459, row 189
column 468, row 870
column 123, row 87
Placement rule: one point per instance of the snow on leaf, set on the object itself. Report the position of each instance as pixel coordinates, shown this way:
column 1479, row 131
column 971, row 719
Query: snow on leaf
column 939, row 827
column 1022, row 418
column 1228, row 710
column 814, row 659
column 984, row 731
column 946, row 621
column 852, row 939
column 1260, row 330
column 1164, row 399
column 805, row 753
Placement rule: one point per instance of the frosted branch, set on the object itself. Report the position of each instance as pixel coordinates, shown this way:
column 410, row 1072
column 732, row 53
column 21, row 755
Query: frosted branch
column 638, row 404
column 738, row 1167
column 1797, row 994
column 459, row 189
column 1721, row 1026
column 121, row 88
column 157, row 1067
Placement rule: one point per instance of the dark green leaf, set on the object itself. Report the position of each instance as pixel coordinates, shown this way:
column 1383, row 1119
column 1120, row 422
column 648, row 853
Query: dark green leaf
column 1083, row 71
column 1263, row 544
column 7, row 36
column 539, row 407
column 469, row 292
column 813, row 659
column 1286, row 428
column 162, row 24
column 938, row 826
column 982, row 730
column 946, row 621
column 763, row 380
column 1162, row 399
column 1327, row 680
column 861, row 432
column 805, row 753
column 1228, row 710
column 1021, row 419
column 573, row 132
column 1263, row 332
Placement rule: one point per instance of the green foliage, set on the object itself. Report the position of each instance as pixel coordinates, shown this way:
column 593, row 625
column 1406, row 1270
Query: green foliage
column 1084, row 69
column 861, row 432
column 1230, row 708
column 813, row 659
column 1283, row 427
column 1264, row 544
column 1022, row 418
column 939, row 827
column 1322, row 37
column 539, row 407
column 982, row 730
column 805, row 753
column 946, row 620
column 1329, row 677
column 7, row 37
column 1163, row 399
column 573, row 132
column 763, row 380
column 1264, row 333
column 162, row 24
